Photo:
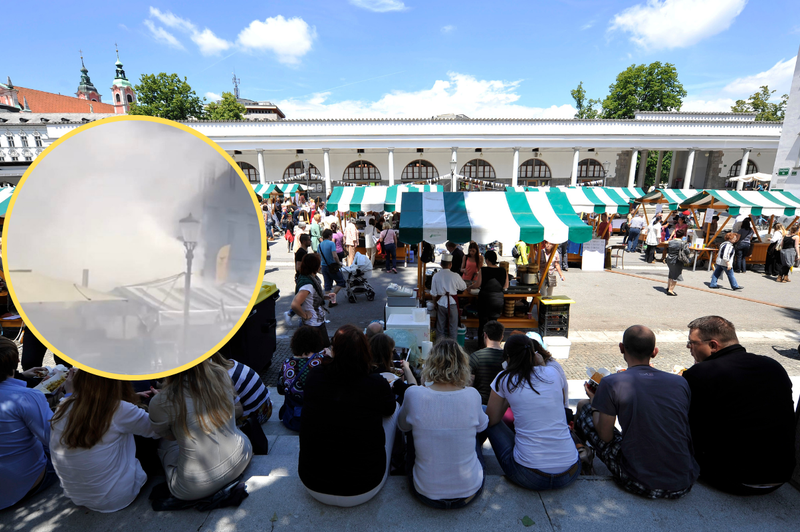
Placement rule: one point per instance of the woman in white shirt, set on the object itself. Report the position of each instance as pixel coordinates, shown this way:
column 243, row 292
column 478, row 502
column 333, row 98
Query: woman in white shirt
column 370, row 237
column 444, row 417
column 92, row 445
column 653, row 237
column 541, row 454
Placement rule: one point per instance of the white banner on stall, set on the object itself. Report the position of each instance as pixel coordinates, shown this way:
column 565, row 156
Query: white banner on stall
column 594, row 255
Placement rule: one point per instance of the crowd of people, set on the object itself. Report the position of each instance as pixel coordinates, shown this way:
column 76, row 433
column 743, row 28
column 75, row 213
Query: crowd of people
column 729, row 420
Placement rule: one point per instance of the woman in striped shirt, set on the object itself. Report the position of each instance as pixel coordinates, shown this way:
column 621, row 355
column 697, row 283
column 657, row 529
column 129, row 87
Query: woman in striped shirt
column 250, row 391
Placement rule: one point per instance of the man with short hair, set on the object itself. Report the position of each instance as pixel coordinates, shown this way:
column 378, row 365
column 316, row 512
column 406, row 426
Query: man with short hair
column 486, row 363
column 329, row 258
column 372, row 329
column 652, row 457
column 635, row 229
column 302, row 251
column 742, row 413
column 458, row 256
column 444, row 286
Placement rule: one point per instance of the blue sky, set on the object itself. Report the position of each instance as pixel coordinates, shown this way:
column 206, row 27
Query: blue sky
column 409, row 58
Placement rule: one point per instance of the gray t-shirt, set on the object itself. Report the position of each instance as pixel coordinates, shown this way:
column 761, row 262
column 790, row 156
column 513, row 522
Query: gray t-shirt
column 653, row 411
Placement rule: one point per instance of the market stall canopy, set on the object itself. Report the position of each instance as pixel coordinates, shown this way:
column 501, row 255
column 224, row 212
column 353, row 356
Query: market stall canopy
column 30, row 287
column 5, row 198
column 485, row 217
column 528, row 189
column 749, row 178
column 611, row 200
column 752, row 202
column 389, row 199
column 281, row 188
column 667, row 195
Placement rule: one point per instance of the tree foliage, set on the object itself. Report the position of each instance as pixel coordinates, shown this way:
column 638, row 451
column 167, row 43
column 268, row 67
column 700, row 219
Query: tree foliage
column 653, row 87
column 226, row 109
column 759, row 103
column 167, row 96
column 585, row 107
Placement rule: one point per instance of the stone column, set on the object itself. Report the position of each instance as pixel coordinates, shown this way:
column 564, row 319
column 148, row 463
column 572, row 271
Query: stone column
column 687, row 179
column 576, row 156
column 391, row 167
column 658, row 167
column 515, row 167
column 673, row 163
column 743, row 167
column 262, row 178
column 632, row 169
column 642, row 169
column 454, row 179
column 326, row 164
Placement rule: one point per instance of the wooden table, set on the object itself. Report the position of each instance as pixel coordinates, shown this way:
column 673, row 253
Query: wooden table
column 524, row 322
column 709, row 252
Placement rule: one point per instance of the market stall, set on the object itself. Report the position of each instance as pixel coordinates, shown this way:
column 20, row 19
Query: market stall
column 281, row 189
column 745, row 203
column 486, row 217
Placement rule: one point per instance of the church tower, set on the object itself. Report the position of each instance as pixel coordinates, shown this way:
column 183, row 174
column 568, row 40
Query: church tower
column 122, row 90
column 87, row 91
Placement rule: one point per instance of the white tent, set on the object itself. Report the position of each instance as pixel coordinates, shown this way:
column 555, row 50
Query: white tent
column 748, row 178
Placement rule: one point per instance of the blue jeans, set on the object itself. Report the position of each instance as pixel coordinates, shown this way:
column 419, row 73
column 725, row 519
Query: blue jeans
column 330, row 278
column 718, row 273
column 390, row 250
column 633, row 239
column 502, row 440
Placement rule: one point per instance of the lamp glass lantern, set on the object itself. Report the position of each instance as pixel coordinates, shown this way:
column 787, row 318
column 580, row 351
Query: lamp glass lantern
column 190, row 229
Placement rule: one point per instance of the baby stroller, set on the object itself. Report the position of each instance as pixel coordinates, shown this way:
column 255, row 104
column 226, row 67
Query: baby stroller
column 355, row 277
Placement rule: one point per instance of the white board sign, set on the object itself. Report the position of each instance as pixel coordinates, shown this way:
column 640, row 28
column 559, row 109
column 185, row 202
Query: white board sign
column 594, row 255
column 708, row 217
column 659, row 208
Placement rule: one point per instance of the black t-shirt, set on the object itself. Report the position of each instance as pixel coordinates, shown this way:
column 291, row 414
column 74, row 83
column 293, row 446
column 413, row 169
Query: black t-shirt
column 458, row 257
column 742, row 418
column 341, row 433
column 485, row 364
column 298, row 257
column 493, row 279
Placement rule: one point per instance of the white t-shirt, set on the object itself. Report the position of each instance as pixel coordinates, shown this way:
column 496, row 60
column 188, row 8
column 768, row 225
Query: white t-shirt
column 445, row 425
column 107, row 477
column 542, row 441
column 369, row 233
column 564, row 385
column 638, row 221
column 308, row 306
column 447, row 282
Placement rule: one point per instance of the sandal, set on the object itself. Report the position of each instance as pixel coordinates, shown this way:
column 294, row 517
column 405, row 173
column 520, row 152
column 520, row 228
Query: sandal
column 671, row 294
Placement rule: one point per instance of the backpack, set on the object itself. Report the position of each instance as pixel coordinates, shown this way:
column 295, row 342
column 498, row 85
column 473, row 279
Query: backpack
column 515, row 252
column 427, row 252
column 293, row 401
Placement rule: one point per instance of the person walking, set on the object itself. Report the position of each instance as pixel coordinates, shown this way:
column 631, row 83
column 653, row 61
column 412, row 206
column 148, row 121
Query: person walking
column 773, row 262
column 370, row 238
column 351, row 240
column 316, row 232
column 677, row 247
column 743, row 247
column 634, row 230
column 652, row 238
column 388, row 240
column 790, row 251
column 725, row 262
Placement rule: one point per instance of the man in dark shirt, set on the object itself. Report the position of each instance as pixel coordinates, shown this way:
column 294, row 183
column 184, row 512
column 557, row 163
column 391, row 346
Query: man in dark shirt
column 742, row 412
column 652, row 457
column 458, row 257
column 486, row 363
column 305, row 242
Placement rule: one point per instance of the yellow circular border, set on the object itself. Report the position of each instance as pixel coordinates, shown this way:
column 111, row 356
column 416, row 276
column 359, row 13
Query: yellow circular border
column 256, row 206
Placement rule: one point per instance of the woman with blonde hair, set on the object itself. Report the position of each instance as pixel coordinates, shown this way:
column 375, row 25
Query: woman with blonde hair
column 790, row 251
column 92, row 442
column 202, row 450
column 443, row 419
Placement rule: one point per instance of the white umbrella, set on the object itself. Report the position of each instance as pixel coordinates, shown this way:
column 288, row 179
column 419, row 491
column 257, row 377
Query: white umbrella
column 747, row 178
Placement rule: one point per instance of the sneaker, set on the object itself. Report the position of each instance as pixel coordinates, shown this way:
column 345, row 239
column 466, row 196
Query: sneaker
column 714, row 287
column 738, row 288
column 287, row 319
column 331, row 304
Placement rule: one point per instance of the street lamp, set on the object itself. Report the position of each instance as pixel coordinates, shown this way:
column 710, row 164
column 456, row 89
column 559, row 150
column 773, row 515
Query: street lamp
column 306, row 164
column 605, row 172
column 453, row 164
column 190, row 232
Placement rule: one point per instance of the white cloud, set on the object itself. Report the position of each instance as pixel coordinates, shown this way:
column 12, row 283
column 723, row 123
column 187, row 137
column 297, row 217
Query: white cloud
column 587, row 25
column 461, row 94
column 779, row 78
column 206, row 41
column 668, row 24
column 209, row 43
column 213, row 96
column 163, row 36
column 717, row 104
column 289, row 39
column 380, row 6
column 448, row 29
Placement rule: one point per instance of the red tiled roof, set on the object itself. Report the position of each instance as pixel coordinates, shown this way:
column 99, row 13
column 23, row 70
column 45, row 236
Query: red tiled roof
column 47, row 102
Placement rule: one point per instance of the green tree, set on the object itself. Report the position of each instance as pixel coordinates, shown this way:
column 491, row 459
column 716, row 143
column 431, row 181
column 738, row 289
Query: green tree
column 653, row 87
column 585, row 107
column 652, row 166
column 759, row 103
column 226, row 109
column 167, row 96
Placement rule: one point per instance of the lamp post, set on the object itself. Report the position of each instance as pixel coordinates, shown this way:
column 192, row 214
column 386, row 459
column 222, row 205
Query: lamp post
column 306, row 164
column 190, row 231
column 605, row 172
column 453, row 164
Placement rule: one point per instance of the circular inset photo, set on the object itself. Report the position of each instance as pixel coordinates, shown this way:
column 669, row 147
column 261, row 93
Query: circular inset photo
column 133, row 248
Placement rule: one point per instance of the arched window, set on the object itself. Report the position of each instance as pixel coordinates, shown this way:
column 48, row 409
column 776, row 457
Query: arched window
column 361, row 171
column 590, row 169
column 419, row 170
column 130, row 98
column 296, row 168
column 534, row 173
column 249, row 171
column 737, row 166
column 118, row 98
column 478, row 169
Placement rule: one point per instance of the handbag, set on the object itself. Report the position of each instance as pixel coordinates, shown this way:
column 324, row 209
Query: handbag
column 334, row 268
column 684, row 257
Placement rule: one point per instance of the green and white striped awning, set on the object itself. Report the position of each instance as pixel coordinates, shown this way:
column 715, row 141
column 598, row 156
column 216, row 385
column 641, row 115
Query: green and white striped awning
column 528, row 189
column 5, row 198
column 667, row 195
column 376, row 199
column 611, row 200
column 485, row 217
column 282, row 188
column 766, row 203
